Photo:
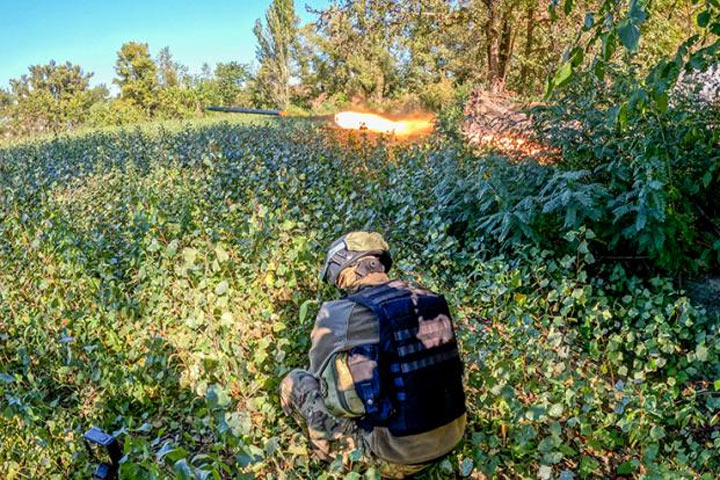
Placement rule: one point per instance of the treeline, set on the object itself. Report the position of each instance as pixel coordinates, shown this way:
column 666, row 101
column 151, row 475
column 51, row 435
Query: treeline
column 378, row 53
column 57, row 97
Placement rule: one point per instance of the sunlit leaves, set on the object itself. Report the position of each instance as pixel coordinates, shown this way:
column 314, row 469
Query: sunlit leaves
column 190, row 291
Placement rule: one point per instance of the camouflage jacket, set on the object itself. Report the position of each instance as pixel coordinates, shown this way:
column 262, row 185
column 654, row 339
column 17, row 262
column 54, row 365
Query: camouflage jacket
column 340, row 326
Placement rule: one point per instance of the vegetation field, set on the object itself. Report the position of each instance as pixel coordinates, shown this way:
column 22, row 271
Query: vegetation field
column 159, row 282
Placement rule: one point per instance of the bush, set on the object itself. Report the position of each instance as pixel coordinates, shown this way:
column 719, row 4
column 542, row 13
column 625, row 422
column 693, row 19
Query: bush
column 159, row 282
column 657, row 162
column 115, row 113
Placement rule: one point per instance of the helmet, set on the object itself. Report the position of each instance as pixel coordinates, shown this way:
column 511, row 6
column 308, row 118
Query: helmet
column 351, row 247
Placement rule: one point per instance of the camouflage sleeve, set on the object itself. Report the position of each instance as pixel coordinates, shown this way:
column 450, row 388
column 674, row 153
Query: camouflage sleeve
column 329, row 334
column 338, row 388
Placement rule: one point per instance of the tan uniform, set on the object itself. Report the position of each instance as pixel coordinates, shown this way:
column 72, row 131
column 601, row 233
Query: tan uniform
column 340, row 326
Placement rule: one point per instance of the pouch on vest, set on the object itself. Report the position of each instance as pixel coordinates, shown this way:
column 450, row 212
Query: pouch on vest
column 341, row 399
column 364, row 370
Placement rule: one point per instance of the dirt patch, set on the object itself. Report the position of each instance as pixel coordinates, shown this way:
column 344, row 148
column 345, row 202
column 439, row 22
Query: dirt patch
column 500, row 122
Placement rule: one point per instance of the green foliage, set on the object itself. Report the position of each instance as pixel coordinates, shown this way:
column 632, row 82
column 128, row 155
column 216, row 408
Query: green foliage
column 353, row 43
column 159, row 282
column 648, row 147
column 232, row 80
column 137, row 76
column 654, row 170
column 171, row 73
column 275, row 43
column 114, row 113
column 451, row 118
column 381, row 54
column 51, row 98
column 56, row 98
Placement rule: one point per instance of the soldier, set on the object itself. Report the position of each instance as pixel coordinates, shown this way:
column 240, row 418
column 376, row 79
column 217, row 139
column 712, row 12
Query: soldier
column 385, row 375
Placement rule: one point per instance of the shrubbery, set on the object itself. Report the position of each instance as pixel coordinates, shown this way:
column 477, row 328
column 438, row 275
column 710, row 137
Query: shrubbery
column 650, row 170
column 159, row 283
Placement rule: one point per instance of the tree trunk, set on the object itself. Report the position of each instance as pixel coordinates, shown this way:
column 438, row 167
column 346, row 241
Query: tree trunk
column 507, row 42
column 379, row 92
column 492, row 39
column 529, row 44
column 499, row 40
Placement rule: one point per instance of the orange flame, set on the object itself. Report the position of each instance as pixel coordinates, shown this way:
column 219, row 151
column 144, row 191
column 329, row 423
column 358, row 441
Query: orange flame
column 400, row 126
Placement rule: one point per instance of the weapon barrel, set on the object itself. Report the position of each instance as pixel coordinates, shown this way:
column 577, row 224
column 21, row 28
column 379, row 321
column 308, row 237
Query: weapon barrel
column 252, row 111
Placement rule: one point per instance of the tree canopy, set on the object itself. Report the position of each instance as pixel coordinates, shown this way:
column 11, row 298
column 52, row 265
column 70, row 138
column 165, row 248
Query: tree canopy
column 383, row 54
column 275, row 41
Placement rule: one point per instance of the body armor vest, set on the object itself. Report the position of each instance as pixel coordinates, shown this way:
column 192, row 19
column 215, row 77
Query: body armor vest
column 411, row 381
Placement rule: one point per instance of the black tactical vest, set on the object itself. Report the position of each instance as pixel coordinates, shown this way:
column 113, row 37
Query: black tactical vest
column 411, row 381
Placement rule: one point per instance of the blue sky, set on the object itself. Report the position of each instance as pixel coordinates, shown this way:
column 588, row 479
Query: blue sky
column 89, row 33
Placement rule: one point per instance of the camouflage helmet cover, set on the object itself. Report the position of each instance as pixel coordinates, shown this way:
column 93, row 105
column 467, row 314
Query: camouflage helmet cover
column 350, row 248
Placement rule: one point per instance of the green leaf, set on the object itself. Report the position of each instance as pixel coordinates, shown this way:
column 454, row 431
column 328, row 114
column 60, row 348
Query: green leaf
column 657, row 432
column 217, row 397
column 637, row 14
column 189, row 255
column 466, row 467
column 622, row 116
column 221, row 288
column 552, row 11
column 183, row 471
column 171, row 249
column 171, row 454
column 706, row 179
column 588, row 465
column 221, row 254
column 545, row 472
column 355, row 455
column 576, row 57
column 703, row 19
column 599, row 70
column 629, row 34
column 609, row 45
column 701, row 353
column 248, row 455
column 556, row 410
column 372, row 474
column 563, row 75
column 626, row 468
column 304, row 310
column 651, row 452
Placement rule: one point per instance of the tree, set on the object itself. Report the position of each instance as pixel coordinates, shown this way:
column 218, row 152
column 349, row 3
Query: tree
column 232, row 80
column 50, row 98
column 171, row 73
column 275, row 42
column 6, row 100
column 353, row 51
column 137, row 76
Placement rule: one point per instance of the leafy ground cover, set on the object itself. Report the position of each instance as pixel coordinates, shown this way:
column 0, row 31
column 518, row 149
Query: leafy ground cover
column 159, row 282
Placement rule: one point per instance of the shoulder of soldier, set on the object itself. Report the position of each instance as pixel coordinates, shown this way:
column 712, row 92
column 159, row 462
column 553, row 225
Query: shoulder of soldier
column 335, row 308
column 339, row 304
column 418, row 288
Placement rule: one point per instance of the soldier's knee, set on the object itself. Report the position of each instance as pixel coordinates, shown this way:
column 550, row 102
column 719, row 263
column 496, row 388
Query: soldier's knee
column 295, row 387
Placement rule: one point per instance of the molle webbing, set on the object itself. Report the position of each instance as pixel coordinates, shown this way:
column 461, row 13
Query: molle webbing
column 418, row 379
